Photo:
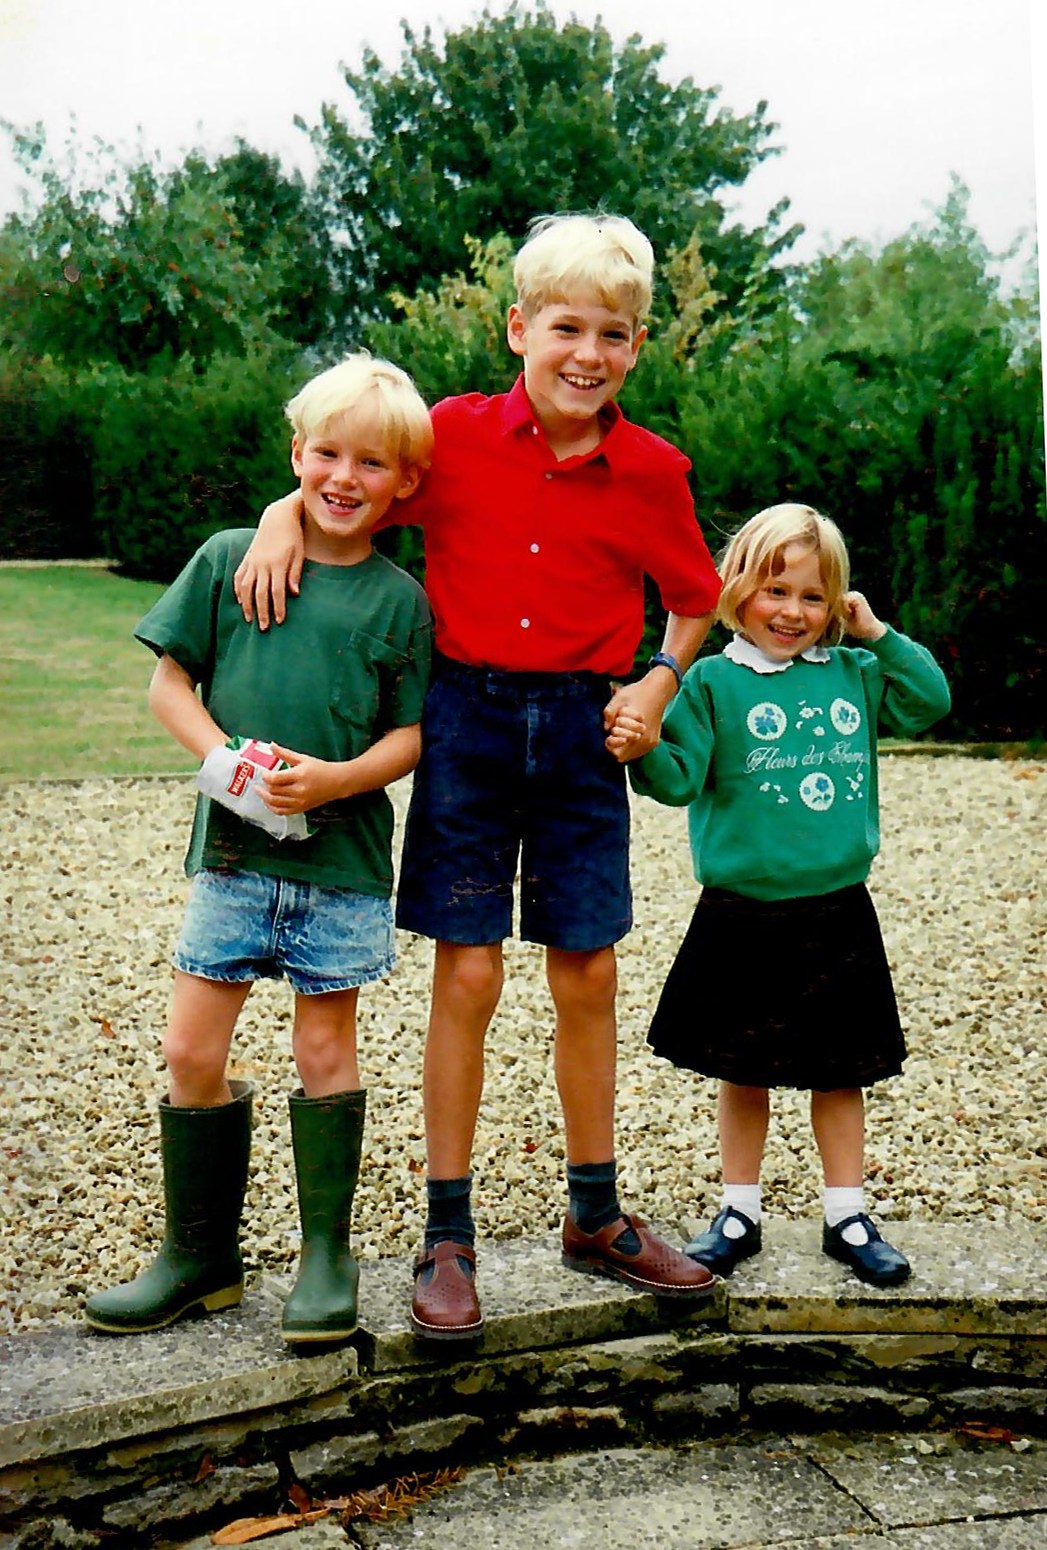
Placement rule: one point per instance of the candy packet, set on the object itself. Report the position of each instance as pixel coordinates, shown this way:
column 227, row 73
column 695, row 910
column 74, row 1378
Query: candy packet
column 231, row 774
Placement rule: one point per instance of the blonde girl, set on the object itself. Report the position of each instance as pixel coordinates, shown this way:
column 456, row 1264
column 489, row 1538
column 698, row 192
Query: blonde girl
column 782, row 979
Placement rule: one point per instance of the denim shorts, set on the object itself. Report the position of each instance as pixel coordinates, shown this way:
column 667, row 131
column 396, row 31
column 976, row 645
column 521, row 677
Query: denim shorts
column 242, row 926
column 514, row 774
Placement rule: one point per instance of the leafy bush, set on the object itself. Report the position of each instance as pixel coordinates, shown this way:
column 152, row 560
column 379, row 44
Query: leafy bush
column 46, row 494
column 176, row 458
column 901, row 394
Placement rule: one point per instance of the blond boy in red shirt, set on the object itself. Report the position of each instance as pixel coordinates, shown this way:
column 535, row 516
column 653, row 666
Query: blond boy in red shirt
column 542, row 511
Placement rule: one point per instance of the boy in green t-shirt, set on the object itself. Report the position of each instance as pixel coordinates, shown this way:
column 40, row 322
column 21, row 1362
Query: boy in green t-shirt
column 275, row 894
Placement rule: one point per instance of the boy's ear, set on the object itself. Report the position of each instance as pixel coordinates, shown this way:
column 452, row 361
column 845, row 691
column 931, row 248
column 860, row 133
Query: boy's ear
column 296, row 457
column 516, row 330
column 638, row 339
column 410, row 481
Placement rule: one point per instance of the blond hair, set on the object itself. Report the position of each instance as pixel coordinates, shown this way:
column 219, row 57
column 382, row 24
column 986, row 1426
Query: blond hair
column 757, row 551
column 363, row 382
column 604, row 256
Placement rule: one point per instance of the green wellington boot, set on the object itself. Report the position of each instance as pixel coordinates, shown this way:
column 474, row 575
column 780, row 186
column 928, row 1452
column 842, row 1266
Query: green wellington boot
column 205, row 1154
column 327, row 1134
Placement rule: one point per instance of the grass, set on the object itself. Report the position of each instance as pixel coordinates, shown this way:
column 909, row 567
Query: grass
column 73, row 681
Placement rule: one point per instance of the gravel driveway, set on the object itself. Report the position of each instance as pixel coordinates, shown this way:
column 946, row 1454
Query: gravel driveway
column 92, row 895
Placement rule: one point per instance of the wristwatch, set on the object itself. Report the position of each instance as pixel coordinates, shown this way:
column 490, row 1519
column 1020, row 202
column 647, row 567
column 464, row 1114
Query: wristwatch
column 665, row 659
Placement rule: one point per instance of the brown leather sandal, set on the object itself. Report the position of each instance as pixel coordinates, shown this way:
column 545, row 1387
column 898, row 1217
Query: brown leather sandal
column 445, row 1305
column 656, row 1266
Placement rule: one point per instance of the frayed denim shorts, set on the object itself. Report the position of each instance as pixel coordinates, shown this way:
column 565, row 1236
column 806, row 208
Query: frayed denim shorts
column 514, row 784
column 242, row 926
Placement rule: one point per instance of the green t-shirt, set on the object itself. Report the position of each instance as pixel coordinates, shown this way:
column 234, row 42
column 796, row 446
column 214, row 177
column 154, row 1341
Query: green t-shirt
column 350, row 663
column 778, row 769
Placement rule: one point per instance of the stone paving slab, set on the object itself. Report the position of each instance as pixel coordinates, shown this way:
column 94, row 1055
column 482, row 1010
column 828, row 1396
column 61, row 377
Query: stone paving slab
column 964, row 1281
column 70, row 1388
column 530, row 1302
column 712, row 1497
column 902, row 1485
column 857, row 1493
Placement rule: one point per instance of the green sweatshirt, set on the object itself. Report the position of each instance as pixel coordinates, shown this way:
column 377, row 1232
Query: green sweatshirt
column 778, row 768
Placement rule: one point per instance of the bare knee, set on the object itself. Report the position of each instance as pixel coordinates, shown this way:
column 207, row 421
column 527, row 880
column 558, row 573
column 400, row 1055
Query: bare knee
column 324, row 1042
column 469, row 977
column 583, row 981
column 743, row 1097
column 194, row 1068
column 319, row 1056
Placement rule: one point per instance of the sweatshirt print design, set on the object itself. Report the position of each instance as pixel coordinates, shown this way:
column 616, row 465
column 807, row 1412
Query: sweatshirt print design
column 831, row 766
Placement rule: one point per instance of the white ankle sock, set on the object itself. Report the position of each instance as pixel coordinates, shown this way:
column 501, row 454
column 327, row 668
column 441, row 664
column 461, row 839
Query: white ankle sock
column 842, row 1203
column 744, row 1198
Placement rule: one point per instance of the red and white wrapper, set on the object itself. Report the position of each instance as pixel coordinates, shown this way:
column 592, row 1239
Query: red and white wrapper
column 231, row 774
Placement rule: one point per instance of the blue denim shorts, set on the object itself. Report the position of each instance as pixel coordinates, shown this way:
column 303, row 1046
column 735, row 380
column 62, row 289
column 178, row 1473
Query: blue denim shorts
column 246, row 926
column 514, row 774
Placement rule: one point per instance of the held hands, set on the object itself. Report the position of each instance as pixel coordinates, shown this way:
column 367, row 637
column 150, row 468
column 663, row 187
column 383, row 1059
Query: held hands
column 627, row 731
column 633, row 718
column 859, row 619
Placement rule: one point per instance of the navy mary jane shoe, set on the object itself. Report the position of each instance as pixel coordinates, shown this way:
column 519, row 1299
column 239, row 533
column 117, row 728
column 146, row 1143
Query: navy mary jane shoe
column 719, row 1253
column 876, row 1261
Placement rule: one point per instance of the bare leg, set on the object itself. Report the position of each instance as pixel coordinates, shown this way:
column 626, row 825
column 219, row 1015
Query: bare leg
column 467, row 982
column 196, row 1043
column 838, row 1122
column 583, row 987
column 324, row 1043
column 743, row 1116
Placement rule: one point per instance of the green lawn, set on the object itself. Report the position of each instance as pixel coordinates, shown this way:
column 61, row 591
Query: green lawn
column 72, row 680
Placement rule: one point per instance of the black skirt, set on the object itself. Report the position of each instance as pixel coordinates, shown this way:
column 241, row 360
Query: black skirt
column 783, row 993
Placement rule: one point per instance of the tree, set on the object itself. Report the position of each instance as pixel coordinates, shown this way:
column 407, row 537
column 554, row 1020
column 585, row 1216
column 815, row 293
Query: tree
column 279, row 228
column 516, row 116
column 141, row 265
column 901, row 392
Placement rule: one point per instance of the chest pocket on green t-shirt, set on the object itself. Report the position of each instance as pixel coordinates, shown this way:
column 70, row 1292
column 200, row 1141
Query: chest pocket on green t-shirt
column 365, row 684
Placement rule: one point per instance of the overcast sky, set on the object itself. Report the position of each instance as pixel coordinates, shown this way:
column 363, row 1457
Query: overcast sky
column 877, row 101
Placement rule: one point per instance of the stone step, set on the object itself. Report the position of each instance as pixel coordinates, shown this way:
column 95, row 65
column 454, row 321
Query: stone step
column 152, row 1428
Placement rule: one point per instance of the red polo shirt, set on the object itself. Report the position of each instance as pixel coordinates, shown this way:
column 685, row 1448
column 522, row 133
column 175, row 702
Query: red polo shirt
column 534, row 565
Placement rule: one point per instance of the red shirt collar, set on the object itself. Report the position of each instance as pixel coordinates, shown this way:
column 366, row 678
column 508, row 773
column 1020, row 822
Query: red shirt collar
column 517, row 413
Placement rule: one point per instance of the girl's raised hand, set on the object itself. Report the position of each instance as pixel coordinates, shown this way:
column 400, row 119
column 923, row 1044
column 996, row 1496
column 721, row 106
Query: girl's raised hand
column 859, row 619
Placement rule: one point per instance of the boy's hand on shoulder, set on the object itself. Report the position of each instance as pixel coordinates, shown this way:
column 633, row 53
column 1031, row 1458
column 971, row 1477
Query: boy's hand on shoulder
column 308, row 783
column 272, row 566
column 859, row 619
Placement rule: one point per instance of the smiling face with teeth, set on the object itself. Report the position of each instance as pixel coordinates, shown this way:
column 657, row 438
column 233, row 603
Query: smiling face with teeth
column 576, row 355
column 349, row 478
column 789, row 610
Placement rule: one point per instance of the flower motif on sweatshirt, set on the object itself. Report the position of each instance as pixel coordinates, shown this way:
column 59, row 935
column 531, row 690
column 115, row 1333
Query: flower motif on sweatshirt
column 817, row 792
column 845, row 717
column 767, row 721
